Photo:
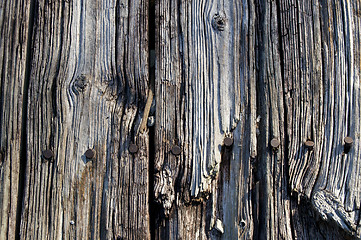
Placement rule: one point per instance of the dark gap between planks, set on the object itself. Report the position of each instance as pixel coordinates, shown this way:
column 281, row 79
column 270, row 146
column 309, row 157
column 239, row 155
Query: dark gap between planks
column 153, row 207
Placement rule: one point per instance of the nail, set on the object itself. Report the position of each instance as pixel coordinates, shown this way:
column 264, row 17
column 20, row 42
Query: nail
column 89, row 154
column 309, row 144
column 176, row 150
column 348, row 144
column 228, row 141
column 275, row 143
column 47, row 154
column 133, row 148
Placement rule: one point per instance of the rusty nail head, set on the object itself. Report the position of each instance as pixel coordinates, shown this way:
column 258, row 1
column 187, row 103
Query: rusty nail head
column 348, row 141
column 348, row 144
column 176, row 150
column 133, row 148
column 228, row 141
column 89, row 154
column 47, row 154
column 275, row 143
column 309, row 144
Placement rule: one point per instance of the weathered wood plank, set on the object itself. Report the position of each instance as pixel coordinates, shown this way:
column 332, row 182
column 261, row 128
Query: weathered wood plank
column 248, row 70
column 321, row 71
column 274, row 204
column 14, row 34
column 88, row 89
column 205, row 91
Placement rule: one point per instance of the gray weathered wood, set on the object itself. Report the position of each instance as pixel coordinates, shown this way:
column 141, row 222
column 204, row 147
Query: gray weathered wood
column 322, row 96
column 75, row 76
column 274, row 204
column 205, row 91
column 307, row 89
column 14, row 34
column 88, row 88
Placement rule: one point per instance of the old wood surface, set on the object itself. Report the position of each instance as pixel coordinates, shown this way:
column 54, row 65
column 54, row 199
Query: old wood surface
column 322, row 96
column 14, row 37
column 87, row 90
column 14, row 68
column 305, row 55
column 205, row 91
column 80, row 75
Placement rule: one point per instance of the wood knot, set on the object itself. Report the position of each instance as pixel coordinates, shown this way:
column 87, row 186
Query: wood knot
column 219, row 22
column 79, row 84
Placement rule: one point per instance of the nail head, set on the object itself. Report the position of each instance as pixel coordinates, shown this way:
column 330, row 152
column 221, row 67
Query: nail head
column 133, row 148
column 89, row 154
column 275, row 143
column 176, row 150
column 348, row 144
column 47, row 154
column 228, row 141
column 348, row 141
column 309, row 144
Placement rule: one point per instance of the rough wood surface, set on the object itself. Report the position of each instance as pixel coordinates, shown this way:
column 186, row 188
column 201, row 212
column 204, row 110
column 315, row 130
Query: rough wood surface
column 87, row 90
column 306, row 54
column 78, row 75
column 322, row 94
column 14, row 35
column 274, row 204
column 205, row 92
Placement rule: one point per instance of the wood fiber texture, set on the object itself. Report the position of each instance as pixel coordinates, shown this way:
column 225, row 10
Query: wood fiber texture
column 277, row 69
column 14, row 39
column 274, row 198
column 205, row 91
column 87, row 90
column 321, row 68
column 80, row 75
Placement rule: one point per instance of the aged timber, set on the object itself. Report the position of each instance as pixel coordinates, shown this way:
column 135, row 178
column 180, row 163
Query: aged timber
column 181, row 119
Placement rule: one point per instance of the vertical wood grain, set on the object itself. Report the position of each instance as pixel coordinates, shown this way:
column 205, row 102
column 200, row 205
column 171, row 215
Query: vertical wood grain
column 321, row 77
column 205, row 91
column 274, row 203
column 88, row 88
column 248, row 70
column 14, row 36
